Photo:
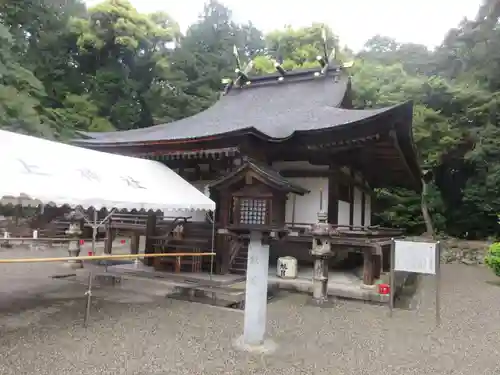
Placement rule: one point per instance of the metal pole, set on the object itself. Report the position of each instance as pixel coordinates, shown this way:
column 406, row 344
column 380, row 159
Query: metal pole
column 88, row 293
column 321, row 199
column 33, row 244
column 438, row 283
column 213, row 245
column 293, row 209
column 94, row 232
column 391, row 277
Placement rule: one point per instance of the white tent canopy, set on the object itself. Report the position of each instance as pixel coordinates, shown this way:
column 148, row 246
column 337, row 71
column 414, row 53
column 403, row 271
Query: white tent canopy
column 35, row 171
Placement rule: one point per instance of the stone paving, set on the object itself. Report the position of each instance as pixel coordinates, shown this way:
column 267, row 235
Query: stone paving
column 147, row 334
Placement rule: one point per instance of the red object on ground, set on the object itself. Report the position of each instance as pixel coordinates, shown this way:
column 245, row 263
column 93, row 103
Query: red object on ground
column 122, row 242
column 384, row 289
column 90, row 253
column 82, row 242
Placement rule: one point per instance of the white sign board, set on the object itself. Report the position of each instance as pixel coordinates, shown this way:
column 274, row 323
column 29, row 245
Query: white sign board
column 418, row 257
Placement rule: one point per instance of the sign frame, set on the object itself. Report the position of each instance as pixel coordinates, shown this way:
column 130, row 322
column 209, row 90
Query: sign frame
column 436, row 275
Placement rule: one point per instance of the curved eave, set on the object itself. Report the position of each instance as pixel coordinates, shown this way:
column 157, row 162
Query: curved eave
column 371, row 116
column 404, row 134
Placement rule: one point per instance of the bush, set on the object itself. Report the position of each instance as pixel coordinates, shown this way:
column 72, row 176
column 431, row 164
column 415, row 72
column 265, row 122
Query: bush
column 493, row 258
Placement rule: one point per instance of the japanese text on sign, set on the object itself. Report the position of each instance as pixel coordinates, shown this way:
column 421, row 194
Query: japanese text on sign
column 418, row 257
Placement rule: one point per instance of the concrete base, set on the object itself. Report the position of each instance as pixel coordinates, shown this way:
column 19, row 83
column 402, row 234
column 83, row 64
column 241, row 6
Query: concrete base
column 74, row 265
column 267, row 347
column 324, row 304
column 343, row 284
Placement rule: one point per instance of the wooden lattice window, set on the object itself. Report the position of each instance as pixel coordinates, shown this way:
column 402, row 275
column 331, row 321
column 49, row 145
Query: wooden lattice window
column 253, row 211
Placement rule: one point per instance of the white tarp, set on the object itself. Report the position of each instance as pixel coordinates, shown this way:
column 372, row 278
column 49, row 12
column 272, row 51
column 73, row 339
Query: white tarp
column 36, row 171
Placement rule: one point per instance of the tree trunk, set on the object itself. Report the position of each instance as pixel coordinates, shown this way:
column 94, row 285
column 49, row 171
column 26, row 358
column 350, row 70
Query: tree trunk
column 425, row 212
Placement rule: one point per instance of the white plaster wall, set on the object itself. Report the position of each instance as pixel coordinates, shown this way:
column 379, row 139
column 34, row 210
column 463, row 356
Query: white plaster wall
column 357, row 206
column 199, row 216
column 196, row 216
column 307, row 206
column 343, row 216
column 368, row 210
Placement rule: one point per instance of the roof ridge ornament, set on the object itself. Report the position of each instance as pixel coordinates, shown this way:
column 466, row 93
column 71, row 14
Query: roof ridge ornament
column 325, row 43
column 242, row 74
column 280, row 70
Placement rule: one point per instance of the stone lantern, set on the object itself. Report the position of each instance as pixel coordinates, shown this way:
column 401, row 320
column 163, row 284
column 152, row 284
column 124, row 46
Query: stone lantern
column 321, row 251
column 74, row 232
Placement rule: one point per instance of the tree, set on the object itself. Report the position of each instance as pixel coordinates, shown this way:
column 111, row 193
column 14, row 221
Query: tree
column 299, row 47
column 414, row 58
column 124, row 57
column 20, row 93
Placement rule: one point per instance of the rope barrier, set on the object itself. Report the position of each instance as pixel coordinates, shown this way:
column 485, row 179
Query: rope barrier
column 43, row 239
column 100, row 257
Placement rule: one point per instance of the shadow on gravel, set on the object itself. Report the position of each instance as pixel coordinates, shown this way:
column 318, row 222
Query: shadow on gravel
column 405, row 298
column 493, row 282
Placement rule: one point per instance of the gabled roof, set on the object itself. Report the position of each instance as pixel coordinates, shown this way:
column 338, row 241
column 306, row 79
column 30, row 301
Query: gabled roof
column 269, row 107
column 269, row 175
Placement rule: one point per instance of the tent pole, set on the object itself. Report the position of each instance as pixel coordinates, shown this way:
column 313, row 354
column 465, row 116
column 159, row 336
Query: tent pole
column 94, row 231
column 88, row 293
column 212, row 249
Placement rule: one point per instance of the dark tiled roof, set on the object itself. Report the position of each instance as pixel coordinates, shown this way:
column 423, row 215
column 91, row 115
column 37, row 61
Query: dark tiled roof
column 267, row 173
column 301, row 102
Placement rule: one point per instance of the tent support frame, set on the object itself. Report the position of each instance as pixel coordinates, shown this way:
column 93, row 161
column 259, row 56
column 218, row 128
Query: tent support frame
column 95, row 224
column 88, row 293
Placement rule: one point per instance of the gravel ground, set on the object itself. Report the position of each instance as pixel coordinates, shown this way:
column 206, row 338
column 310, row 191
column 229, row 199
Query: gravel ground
column 143, row 335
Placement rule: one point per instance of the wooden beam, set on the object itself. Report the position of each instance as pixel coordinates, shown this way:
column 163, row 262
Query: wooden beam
column 150, row 232
column 333, row 196
column 368, row 267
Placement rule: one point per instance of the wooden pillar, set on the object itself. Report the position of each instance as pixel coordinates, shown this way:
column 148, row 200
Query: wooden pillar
column 368, row 266
column 386, row 258
column 134, row 243
column 363, row 208
column 377, row 266
column 150, row 232
column 108, row 244
column 223, row 241
column 225, row 249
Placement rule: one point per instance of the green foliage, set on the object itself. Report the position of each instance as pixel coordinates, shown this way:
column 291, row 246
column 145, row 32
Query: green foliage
column 492, row 259
column 20, row 92
column 401, row 208
column 299, row 47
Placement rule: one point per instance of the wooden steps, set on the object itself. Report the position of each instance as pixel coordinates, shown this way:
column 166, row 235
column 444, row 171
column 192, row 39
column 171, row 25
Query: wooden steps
column 238, row 264
column 191, row 237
